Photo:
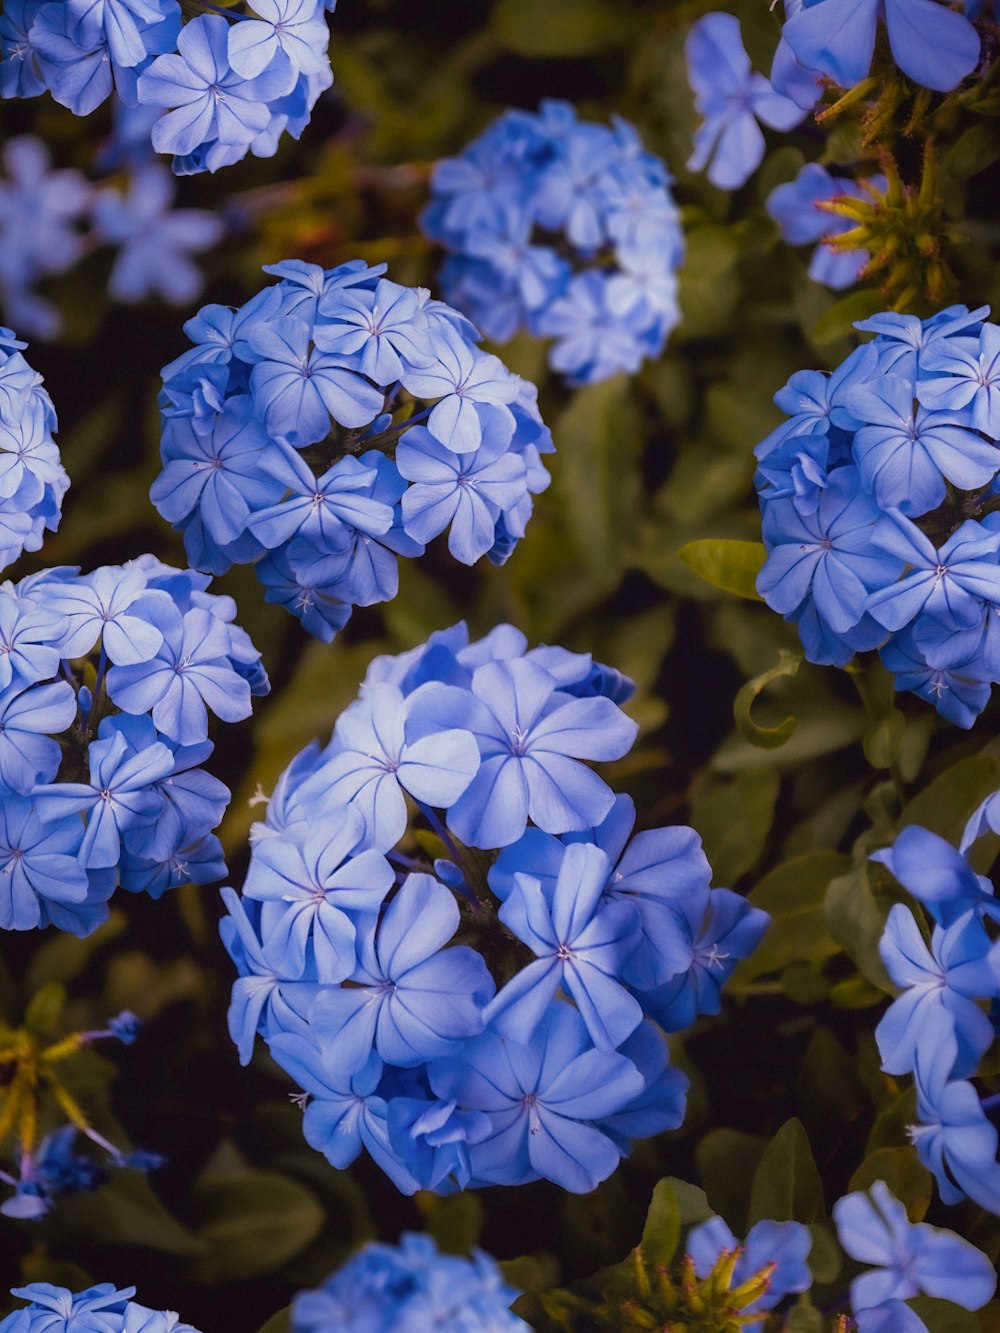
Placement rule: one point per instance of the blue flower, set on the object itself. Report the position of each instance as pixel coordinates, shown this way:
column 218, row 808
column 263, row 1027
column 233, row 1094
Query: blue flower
column 38, row 863
column 941, row 878
column 940, row 987
column 794, row 207
column 909, row 1259
column 905, row 456
column 784, row 1244
column 721, row 928
column 410, row 999
column 582, row 943
column 211, row 102
column 467, row 492
column 967, row 379
column 952, row 584
column 154, row 240
column 953, row 1138
column 930, row 43
column 345, row 1112
column 373, row 761
column 544, row 1097
column 297, row 391
column 29, row 719
column 119, row 796
column 731, row 98
column 189, row 673
column 294, row 28
column 826, row 557
column 315, row 890
column 530, row 741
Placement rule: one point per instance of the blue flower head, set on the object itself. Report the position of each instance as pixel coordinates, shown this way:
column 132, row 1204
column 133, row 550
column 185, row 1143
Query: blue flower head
column 32, row 485
column 469, row 1018
column 607, row 294
column 875, row 496
column 207, row 90
column 409, row 1287
column 102, row 1307
column 337, row 422
column 94, row 789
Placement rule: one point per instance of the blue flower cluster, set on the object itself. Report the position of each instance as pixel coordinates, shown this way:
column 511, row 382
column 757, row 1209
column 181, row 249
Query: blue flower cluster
column 566, row 229
column 880, row 496
column 99, row 1309
column 43, row 216
column 33, row 480
column 106, row 681
column 906, row 1259
column 797, row 209
column 409, row 1288
column 937, row 1029
column 731, row 98
column 337, row 421
column 227, row 82
column 929, row 41
column 532, row 1047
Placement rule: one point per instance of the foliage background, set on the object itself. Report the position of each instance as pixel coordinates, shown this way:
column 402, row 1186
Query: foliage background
column 245, row 1213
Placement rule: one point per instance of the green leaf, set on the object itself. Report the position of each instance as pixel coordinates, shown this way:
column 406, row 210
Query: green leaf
column 278, row 1323
column 793, row 895
column 826, row 1258
column 804, row 1319
column 727, row 1161
column 768, row 738
column 595, row 475
column 45, row 1010
column 560, row 29
column 63, row 957
column 904, row 1173
column 839, row 320
column 734, row 816
column 857, row 921
column 662, row 1232
column 786, row 1184
column 943, row 1316
column 455, row 1222
column 884, row 738
column 975, row 149
column 251, row 1223
column 709, row 285
column 946, row 804
column 732, row 566
column 125, row 1211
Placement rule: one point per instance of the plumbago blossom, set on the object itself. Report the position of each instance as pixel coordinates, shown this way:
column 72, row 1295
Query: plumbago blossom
column 100, row 1309
column 945, row 1018
column 879, row 497
column 334, row 422
column 33, row 480
column 905, row 1259
column 409, row 1287
column 102, row 783
column 797, row 207
column 731, row 98
column 51, row 218
column 224, row 83
column 566, row 229
column 928, row 40
column 496, row 1014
